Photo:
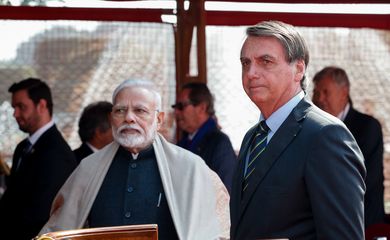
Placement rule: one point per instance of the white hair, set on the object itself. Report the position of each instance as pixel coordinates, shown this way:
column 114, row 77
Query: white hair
column 139, row 83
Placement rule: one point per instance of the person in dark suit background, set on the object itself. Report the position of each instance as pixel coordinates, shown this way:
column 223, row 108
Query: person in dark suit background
column 331, row 94
column 41, row 163
column 195, row 115
column 308, row 183
column 94, row 129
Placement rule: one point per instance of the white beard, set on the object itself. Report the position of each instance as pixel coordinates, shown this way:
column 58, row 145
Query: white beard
column 135, row 140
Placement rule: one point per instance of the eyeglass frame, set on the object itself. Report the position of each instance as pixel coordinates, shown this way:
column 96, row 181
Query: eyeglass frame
column 181, row 105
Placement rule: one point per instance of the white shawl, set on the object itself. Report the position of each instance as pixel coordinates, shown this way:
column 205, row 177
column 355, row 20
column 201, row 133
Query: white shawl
column 197, row 199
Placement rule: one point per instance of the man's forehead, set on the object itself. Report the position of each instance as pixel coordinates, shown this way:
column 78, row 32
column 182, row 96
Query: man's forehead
column 261, row 42
column 134, row 96
column 132, row 104
column 21, row 96
column 185, row 93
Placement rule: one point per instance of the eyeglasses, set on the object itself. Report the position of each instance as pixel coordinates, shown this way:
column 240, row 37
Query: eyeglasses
column 181, row 105
column 120, row 112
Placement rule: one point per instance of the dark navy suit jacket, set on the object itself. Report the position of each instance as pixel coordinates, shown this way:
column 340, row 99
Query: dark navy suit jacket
column 215, row 148
column 83, row 151
column 368, row 134
column 308, row 183
column 26, row 203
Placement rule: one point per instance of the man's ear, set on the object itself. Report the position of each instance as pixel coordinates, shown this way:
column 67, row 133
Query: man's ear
column 42, row 106
column 98, row 133
column 345, row 91
column 299, row 70
column 110, row 118
column 202, row 106
column 160, row 119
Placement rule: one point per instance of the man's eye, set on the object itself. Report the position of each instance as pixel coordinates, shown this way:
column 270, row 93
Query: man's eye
column 266, row 61
column 244, row 63
column 20, row 106
column 140, row 111
column 120, row 110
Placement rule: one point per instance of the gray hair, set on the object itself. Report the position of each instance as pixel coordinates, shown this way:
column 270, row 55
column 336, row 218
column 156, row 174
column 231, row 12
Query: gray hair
column 139, row 83
column 336, row 73
column 294, row 45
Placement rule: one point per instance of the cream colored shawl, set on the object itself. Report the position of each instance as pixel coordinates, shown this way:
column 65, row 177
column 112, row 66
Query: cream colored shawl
column 197, row 199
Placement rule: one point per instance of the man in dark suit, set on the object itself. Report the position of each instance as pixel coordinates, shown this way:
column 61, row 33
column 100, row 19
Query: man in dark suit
column 94, row 129
column 41, row 163
column 195, row 115
column 331, row 94
column 308, row 180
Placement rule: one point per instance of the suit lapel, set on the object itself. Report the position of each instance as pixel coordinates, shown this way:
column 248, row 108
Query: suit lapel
column 238, row 176
column 244, row 151
column 17, row 155
column 280, row 140
column 350, row 118
column 31, row 160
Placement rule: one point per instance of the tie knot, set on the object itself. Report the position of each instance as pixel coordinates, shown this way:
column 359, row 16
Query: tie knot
column 27, row 146
column 263, row 127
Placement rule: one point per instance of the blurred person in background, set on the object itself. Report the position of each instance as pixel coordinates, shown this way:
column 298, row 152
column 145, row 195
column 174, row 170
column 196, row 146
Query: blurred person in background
column 195, row 115
column 94, row 129
column 4, row 172
column 41, row 163
column 331, row 93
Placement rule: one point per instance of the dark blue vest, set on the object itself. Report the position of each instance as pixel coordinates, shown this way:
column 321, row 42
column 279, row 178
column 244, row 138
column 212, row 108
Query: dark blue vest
column 132, row 193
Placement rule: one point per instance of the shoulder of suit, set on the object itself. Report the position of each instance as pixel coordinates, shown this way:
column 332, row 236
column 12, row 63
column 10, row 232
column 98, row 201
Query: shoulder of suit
column 215, row 135
column 362, row 116
column 182, row 156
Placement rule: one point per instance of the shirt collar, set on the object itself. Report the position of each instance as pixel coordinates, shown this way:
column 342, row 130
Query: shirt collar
column 35, row 136
column 277, row 118
column 344, row 113
column 91, row 147
column 192, row 135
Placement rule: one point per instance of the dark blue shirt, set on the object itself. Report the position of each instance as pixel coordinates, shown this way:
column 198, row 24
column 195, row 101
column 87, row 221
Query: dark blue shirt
column 132, row 193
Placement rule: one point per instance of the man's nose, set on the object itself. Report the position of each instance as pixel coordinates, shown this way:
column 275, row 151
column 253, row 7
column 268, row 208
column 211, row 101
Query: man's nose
column 130, row 116
column 177, row 111
column 16, row 113
column 320, row 97
column 252, row 72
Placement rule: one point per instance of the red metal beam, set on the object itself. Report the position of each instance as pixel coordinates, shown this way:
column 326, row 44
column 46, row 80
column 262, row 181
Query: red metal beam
column 222, row 18
column 300, row 19
column 307, row 1
column 288, row 1
column 93, row 14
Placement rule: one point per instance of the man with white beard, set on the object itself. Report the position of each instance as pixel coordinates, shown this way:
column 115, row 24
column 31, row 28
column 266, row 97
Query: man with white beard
column 141, row 178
